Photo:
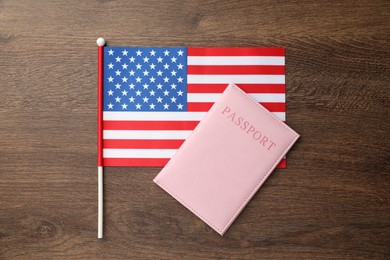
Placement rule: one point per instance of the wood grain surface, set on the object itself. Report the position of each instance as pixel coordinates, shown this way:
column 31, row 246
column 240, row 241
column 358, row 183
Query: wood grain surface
column 333, row 200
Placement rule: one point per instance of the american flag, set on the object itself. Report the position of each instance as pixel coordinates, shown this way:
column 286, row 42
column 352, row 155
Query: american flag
column 155, row 97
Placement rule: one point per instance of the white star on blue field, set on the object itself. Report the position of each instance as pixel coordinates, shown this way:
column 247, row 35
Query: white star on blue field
column 145, row 79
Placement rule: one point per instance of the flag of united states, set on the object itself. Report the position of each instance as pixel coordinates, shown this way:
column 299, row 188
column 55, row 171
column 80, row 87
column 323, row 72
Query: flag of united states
column 155, row 97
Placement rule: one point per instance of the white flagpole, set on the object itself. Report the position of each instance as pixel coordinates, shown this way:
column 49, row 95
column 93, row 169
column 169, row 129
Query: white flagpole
column 100, row 202
column 100, row 42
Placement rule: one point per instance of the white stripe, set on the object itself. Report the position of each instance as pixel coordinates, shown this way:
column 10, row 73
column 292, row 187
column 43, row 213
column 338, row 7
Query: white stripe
column 150, row 116
column 237, row 79
column 280, row 115
column 235, row 60
column 212, row 97
column 138, row 153
column 154, row 116
column 146, row 134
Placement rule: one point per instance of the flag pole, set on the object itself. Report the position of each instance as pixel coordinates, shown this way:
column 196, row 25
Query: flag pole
column 100, row 42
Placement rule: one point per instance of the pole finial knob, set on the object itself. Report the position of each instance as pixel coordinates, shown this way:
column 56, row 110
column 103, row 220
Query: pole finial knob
column 100, row 42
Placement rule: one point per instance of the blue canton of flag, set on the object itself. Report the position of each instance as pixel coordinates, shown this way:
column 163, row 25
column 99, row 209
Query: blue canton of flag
column 145, row 79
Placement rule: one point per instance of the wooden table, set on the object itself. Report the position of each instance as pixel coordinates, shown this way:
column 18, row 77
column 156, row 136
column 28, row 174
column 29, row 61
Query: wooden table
column 332, row 201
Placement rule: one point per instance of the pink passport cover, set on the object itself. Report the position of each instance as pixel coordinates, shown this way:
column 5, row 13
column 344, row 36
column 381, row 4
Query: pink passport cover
column 226, row 159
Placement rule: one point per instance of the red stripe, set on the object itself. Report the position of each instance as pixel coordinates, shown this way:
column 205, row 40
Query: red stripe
column 199, row 106
column 235, row 51
column 282, row 164
column 147, row 162
column 236, row 70
column 205, row 106
column 149, row 125
column 142, row 144
column 248, row 88
column 274, row 107
column 152, row 162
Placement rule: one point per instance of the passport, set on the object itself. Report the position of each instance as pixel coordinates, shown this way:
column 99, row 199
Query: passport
column 226, row 159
